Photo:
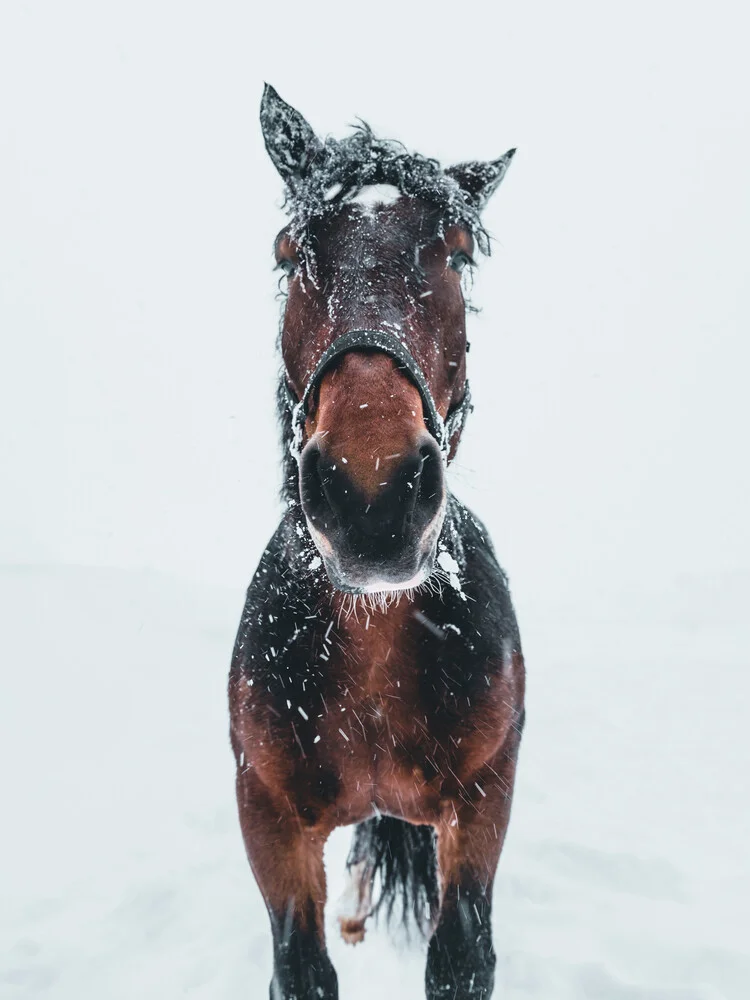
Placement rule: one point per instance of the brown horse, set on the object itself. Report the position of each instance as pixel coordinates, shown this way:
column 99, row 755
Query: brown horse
column 377, row 677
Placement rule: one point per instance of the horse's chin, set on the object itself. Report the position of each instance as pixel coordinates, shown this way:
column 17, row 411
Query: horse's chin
column 383, row 586
column 379, row 581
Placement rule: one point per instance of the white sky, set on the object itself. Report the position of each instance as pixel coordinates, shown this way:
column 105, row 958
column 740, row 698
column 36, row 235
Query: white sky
column 138, row 208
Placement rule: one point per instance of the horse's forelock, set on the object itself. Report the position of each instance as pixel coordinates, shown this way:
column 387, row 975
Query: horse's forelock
column 342, row 168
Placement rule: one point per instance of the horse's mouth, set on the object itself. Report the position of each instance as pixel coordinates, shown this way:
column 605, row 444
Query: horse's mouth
column 350, row 575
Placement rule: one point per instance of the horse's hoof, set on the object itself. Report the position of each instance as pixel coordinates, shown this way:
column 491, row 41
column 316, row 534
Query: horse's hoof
column 352, row 930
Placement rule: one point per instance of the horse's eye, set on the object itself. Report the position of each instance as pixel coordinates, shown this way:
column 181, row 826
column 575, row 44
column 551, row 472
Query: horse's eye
column 459, row 260
column 287, row 266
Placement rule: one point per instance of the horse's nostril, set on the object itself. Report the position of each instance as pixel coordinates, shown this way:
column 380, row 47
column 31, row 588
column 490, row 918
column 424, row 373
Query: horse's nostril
column 430, row 495
column 312, row 488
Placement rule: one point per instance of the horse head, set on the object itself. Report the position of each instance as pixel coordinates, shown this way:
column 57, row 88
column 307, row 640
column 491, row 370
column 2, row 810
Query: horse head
column 373, row 340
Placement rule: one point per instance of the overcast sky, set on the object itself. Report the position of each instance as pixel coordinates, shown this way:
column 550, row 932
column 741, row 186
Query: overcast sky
column 608, row 448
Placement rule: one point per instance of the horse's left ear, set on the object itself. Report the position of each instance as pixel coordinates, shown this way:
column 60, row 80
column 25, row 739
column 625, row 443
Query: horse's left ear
column 290, row 141
column 480, row 180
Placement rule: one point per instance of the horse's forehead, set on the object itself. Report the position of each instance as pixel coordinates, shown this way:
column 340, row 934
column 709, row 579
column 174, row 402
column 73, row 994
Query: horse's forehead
column 373, row 220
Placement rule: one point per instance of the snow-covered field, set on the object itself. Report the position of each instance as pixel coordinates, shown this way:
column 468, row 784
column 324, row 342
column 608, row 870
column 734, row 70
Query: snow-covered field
column 625, row 875
column 607, row 456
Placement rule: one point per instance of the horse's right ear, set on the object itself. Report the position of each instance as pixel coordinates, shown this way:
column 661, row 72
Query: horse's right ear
column 290, row 141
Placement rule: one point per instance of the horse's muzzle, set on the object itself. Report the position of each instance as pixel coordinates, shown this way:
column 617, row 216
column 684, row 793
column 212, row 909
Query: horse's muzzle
column 381, row 542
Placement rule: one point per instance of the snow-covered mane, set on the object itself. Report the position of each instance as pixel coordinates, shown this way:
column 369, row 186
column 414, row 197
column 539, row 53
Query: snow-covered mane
column 341, row 168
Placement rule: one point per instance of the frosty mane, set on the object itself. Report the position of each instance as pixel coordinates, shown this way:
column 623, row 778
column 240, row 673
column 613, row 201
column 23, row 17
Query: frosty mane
column 340, row 168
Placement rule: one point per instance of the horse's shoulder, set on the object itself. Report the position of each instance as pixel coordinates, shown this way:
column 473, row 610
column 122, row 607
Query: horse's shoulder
column 481, row 592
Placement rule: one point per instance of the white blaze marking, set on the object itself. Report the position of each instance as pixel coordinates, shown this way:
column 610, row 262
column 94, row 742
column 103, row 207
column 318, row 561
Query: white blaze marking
column 377, row 194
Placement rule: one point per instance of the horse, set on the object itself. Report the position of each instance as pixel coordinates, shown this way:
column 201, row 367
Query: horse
column 377, row 678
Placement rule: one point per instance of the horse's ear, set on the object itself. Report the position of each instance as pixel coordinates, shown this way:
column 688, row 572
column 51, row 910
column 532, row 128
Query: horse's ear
column 480, row 180
column 290, row 141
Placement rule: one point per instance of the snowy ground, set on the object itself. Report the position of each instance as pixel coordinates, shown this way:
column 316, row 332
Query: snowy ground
column 625, row 875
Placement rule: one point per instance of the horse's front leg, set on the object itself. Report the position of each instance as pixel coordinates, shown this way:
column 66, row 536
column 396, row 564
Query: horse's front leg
column 461, row 957
column 286, row 856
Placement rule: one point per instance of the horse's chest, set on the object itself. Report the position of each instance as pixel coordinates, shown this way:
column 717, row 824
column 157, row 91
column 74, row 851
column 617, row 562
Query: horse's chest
column 371, row 718
column 400, row 738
